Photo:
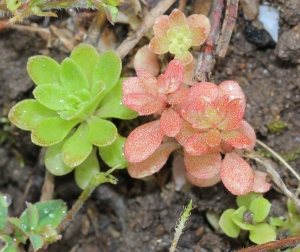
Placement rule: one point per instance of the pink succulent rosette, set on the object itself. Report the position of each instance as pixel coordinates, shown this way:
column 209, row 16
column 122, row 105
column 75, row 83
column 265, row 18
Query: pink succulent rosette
column 177, row 34
column 213, row 123
column 148, row 95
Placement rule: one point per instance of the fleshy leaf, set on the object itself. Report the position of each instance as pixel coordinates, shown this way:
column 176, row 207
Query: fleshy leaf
column 26, row 114
column 196, row 144
column 143, row 141
column 43, row 70
column 261, row 185
column 85, row 171
column 146, row 59
column 113, row 155
column 203, row 166
column 238, row 219
column 77, row 147
column 101, row 132
column 19, row 225
column 213, row 137
column 159, row 45
column 184, row 57
column 236, row 139
column 237, row 175
column 51, row 131
column 177, row 18
column 3, row 211
column 33, row 216
column 199, row 20
column 247, row 130
column 245, row 200
column 112, row 106
column 170, row 122
column 202, row 182
column 72, row 77
column 185, row 132
column 108, row 69
column 148, row 81
column 178, row 171
column 232, row 89
column 86, row 56
column 154, row 162
column 54, row 162
column 227, row 225
column 260, row 207
column 51, row 96
column 198, row 36
column 262, row 233
column 161, row 26
column 36, row 241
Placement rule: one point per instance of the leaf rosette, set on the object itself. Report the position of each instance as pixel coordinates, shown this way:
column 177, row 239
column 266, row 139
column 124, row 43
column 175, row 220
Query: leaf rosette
column 72, row 103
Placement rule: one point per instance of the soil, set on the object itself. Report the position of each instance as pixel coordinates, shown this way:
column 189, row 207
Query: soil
column 140, row 215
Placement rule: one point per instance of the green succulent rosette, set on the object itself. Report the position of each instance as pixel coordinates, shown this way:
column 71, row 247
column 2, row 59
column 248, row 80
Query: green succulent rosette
column 73, row 101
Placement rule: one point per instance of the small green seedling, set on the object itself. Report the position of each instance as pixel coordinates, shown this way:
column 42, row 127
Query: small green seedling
column 69, row 115
column 37, row 223
column 251, row 215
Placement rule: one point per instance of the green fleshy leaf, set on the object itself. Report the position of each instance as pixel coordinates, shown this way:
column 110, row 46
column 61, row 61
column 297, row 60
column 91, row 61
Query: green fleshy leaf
column 72, row 77
column 112, row 2
column 112, row 106
column 85, row 171
column 86, row 56
column 245, row 200
column 260, row 207
column 20, row 225
column 36, row 241
column 51, row 96
column 43, row 70
column 54, row 162
column 26, row 114
column 227, row 225
column 262, row 233
column 33, row 216
column 238, row 219
column 113, row 155
column 276, row 221
column 111, row 13
column 10, row 245
column 101, row 132
column 3, row 211
column 213, row 219
column 13, row 5
column 77, row 148
column 291, row 207
column 51, row 131
column 108, row 70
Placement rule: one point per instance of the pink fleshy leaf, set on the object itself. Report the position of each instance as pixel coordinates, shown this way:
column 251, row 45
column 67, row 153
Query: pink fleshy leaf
column 204, row 166
column 177, row 96
column 185, row 132
column 143, row 141
column 176, row 18
column 144, row 104
column 154, row 162
column 213, row 138
column 202, row 182
column 261, row 185
column 133, row 85
column 247, row 130
column 197, row 119
column 170, row 122
column 199, row 20
column 221, row 105
column 161, row 26
column 178, row 170
column 147, row 80
column 146, row 59
column 159, row 45
column 236, row 139
column 196, row 144
column 225, row 147
column 172, row 78
column 236, row 174
column 232, row 89
column 184, row 57
column 206, row 89
column 189, row 73
column 198, row 36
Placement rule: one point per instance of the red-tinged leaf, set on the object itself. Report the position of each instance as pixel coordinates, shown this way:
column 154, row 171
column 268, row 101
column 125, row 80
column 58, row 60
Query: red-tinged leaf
column 206, row 89
column 170, row 122
column 233, row 118
column 147, row 80
column 202, row 182
column 225, row 147
column 184, row 57
column 178, row 171
column 143, row 141
column 247, row 130
column 146, row 59
column 173, row 77
column 236, row 139
column 213, row 138
column 198, row 36
column 236, row 174
column 260, row 185
column 204, row 166
column 232, row 89
column 196, row 144
column 221, row 105
column 159, row 45
column 161, row 26
column 177, row 18
column 197, row 119
column 133, row 85
column 178, row 96
column 189, row 73
column 153, row 163
column 186, row 131
column 144, row 104
column 199, row 20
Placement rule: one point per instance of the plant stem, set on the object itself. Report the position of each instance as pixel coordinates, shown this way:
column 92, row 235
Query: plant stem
column 184, row 217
